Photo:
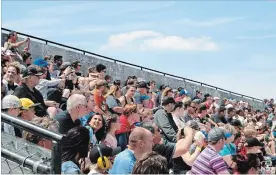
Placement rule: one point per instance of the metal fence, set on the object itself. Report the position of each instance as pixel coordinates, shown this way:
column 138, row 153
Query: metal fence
column 134, row 65
column 21, row 157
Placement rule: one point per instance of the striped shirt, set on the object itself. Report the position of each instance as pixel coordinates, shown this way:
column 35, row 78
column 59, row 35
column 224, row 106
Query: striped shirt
column 208, row 162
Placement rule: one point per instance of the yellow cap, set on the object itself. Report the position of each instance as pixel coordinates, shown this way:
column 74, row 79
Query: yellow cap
column 27, row 103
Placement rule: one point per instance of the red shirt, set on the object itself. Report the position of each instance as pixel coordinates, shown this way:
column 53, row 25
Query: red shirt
column 125, row 126
column 100, row 101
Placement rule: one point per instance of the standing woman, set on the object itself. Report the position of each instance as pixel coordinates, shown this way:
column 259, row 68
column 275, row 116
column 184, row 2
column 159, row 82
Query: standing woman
column 127, row 120
column 74, row 148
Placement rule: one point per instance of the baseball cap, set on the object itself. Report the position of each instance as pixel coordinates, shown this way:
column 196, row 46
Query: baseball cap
column 105, row 150
column 142, row 84
column 40, row 62
column 216, row 98
column 229, row 106
column 253, row 142
column 27, row 103
column 31, row 71
column 192, row 124
column 11, row 101
column 168, row 100
column 183, row 92
column 215, row 134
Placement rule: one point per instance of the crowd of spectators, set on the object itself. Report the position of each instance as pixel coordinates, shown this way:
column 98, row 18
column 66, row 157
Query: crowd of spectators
column 131, row 126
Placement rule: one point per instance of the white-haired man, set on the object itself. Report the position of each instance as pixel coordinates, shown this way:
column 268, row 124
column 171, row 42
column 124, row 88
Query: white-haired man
column 76, row 108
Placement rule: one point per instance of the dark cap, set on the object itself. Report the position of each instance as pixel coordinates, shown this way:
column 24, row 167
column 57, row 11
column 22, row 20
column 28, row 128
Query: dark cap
column 57, row 57
column 251, row 142
column 106, row 151
column 168, row 100
column 31, row 71
column 142, row 84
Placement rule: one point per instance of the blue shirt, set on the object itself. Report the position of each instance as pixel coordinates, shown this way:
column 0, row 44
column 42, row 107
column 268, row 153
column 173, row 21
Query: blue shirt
column 70, row 167
column 228, row 149
column 85, row 118
column 123, row 163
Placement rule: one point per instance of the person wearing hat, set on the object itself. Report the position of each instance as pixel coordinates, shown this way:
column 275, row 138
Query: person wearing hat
column 181, row 95
column 11, row 105
column 28, row 109
column 44, row 83
column 31, row 77
column 164, row 120
column 253, row 145
column 140, row 95
column 209, row 158
column 101, row 157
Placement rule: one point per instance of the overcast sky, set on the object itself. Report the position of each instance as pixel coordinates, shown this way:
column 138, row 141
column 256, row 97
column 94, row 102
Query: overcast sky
column 231, row 45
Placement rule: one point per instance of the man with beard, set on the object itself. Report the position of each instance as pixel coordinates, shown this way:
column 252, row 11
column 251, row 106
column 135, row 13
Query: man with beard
column 100, row 101
column 219, row 117
column 13, row 72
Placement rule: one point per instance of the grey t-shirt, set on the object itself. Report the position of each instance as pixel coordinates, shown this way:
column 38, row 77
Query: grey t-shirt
column 111, row 102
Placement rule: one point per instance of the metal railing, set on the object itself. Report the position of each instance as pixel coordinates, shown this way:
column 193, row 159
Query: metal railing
column 138, row 66
column 55, row 165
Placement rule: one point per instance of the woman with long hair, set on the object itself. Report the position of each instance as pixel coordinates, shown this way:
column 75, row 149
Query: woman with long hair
column 112, row 125
column 127, row 120
column 96, row 127
column 75, row 146
column 112, row 101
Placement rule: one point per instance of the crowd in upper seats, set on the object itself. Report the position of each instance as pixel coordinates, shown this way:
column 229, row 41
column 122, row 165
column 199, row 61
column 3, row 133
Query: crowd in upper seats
column 131, row 126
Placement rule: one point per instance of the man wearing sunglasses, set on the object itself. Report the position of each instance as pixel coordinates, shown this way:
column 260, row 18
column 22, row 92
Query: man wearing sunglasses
column 30, row 79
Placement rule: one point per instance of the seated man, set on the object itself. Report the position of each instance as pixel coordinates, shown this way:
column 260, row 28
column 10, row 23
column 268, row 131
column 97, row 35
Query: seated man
column 164, row 120
column 11, row 105
column 28, row 109
column 31, row 77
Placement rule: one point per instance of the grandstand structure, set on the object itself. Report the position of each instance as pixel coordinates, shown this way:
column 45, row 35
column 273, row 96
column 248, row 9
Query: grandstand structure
column 121, row 70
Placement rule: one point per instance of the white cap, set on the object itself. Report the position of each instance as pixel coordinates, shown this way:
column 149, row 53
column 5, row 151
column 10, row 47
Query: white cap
column 229, row 106
column 216, row 98
column 11, row 101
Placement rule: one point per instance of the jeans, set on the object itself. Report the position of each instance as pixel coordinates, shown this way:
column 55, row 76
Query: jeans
column 122, row 140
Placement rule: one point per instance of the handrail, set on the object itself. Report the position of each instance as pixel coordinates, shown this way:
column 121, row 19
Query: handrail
column 135, row 65
column 34, row 129
column 26, row 161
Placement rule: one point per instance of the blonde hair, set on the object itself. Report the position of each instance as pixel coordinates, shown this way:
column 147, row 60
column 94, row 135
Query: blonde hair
column 229, row 128
column 16, row 65
column 165, row 92
column 113, row 89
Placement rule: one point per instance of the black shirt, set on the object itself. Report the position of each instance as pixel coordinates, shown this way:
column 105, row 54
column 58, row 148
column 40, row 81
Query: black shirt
column 166, row 151
column 24, row 92
column 179, row 166
column 65, row 122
